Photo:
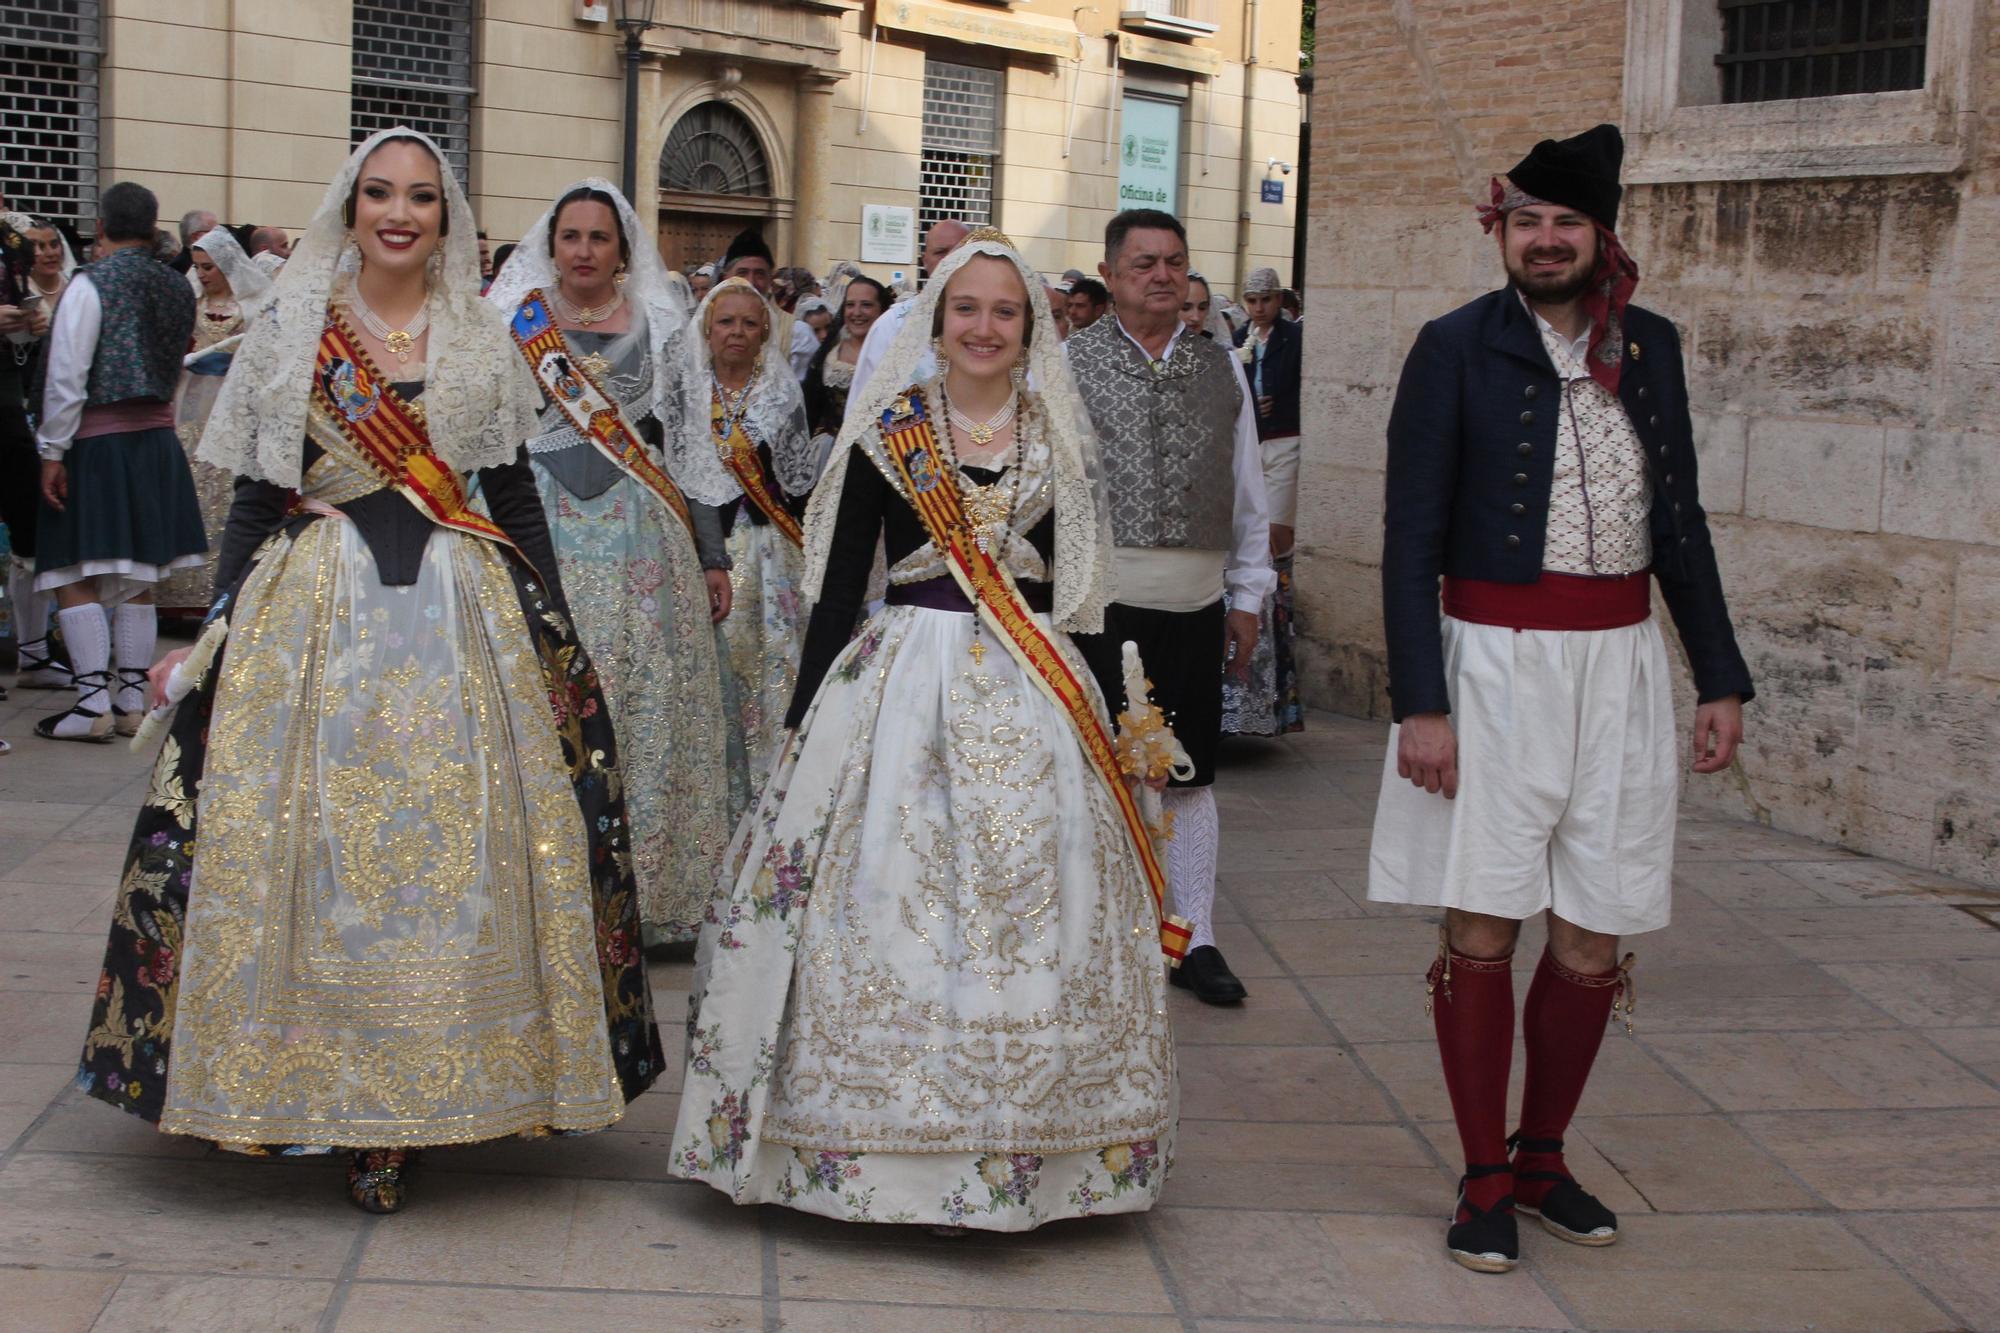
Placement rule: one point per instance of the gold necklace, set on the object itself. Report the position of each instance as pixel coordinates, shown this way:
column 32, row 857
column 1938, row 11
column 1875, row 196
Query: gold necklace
column 399, row 342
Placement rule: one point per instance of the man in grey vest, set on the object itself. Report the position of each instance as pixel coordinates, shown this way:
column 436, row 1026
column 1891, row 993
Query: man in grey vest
column 118, row 503
column 1185, row 478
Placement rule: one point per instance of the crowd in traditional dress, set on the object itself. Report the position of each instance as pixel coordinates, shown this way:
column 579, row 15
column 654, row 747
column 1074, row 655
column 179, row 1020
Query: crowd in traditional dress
column 559, row 611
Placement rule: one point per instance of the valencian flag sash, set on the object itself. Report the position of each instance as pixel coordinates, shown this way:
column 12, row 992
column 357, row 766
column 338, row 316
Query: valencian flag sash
column 911, row 444
column 591, row 411
column 740, row 457
column 373, row 418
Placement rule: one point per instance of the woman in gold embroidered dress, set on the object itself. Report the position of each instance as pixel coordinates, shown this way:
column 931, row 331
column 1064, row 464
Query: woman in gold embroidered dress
column 649, row 587
column 732, row 386
column 379, row 896
column 932, row 989
column 231, row 282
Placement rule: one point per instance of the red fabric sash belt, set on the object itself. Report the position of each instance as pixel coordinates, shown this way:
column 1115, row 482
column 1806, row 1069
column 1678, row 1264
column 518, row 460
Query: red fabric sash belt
column 1554, row 601
column 133, row 414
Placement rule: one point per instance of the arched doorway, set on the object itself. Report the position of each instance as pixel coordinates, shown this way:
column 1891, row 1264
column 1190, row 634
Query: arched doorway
column 714, row 181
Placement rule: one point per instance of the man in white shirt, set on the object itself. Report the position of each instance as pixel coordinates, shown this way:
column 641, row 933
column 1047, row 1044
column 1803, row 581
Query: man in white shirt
column 1184, row 476
column 945, row 236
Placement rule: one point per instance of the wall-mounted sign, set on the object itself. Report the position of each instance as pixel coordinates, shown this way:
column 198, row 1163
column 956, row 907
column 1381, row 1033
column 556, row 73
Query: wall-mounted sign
column 1174, row 55
column 1149, row 154
column 1274, row 192
column 1015, row 32
column 888, row 234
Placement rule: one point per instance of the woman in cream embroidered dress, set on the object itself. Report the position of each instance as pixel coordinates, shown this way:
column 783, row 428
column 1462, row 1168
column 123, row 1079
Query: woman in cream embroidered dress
column 647, row 594
column 932, row 990
column 728, row 376
column 231, row 282
column 379, row 896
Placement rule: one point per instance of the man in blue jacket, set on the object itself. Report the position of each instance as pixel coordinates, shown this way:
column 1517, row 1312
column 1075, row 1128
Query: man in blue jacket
column 1542, row 467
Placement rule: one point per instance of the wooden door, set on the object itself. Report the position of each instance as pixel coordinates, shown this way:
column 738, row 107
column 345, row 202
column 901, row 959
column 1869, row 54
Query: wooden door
column 689, row 240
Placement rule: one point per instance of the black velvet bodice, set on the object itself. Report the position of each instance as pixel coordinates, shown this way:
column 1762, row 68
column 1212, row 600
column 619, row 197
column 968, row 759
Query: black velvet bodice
column 872, row 509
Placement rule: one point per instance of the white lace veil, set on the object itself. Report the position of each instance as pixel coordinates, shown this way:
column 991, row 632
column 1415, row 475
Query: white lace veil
column 1216, row 326
column 479, row 400
column 774, row 415
column 1083, row 524
column 646, row 282
column 247, row 282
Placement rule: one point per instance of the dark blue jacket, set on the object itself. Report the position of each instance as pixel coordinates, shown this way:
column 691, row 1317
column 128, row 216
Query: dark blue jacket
column 1283, row 356
column 1471, row 460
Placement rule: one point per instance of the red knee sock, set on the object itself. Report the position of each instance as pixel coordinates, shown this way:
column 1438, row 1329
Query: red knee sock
column 1472, row 1003
column 1563, row 1024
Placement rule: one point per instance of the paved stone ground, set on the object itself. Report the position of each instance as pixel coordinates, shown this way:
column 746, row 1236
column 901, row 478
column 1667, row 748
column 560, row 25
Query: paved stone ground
column 1805, row 1133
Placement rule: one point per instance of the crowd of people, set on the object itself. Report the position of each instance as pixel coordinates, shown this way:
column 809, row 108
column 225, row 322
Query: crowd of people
column 559, row 611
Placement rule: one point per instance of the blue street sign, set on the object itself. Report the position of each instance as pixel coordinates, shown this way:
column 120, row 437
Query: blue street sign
column 1274, row 192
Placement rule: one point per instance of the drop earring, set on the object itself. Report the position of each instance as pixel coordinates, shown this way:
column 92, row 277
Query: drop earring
column 937, row 354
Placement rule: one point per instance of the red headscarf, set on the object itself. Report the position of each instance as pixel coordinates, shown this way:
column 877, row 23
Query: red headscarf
column 1612, row 283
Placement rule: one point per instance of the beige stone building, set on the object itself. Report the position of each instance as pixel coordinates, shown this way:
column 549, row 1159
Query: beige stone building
column 1813, row 196
column 840, row 127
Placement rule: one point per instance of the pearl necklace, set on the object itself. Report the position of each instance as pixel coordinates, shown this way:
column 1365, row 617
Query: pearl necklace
column 586, row 315
column 399, row 342
column 981, row 433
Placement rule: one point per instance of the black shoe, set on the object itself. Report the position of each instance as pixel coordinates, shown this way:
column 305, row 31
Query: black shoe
column 375, row 1179
column 1488, row 1240
column 1204, row 973
column 1568, row 1211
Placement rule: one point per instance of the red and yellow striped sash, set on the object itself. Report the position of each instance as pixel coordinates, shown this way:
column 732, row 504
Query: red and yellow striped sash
column 586, row 406
column 911, row 444
column 387, row 435
column 740, row 456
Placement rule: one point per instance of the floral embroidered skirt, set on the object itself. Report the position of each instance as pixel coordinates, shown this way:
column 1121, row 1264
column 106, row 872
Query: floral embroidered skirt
column 1267, row 704
column 932, row 991
column 361, row 908
column 765, row 632
column 634, row 584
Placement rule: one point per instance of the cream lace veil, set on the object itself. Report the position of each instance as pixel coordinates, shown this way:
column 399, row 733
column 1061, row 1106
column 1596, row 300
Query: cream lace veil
column 646, row 284
column 1083, row 524
column 247, row 281
column 774, row 416
column 479, row 400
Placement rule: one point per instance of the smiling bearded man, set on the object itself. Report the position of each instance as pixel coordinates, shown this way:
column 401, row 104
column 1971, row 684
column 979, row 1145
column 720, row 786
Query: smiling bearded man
column 1542, row 464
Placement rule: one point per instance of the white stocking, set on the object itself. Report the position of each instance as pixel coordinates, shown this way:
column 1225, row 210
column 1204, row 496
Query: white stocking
column 31, row 609
column 1191, row 858
column 89, row 640
column 135, row 631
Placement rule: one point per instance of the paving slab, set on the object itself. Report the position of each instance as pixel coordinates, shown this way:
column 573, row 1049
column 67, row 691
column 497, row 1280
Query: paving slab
column 1800, row 1133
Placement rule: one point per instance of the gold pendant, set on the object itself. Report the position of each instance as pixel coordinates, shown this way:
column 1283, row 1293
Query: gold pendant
column 399, row 344
column 594, row 365
column 978, row 651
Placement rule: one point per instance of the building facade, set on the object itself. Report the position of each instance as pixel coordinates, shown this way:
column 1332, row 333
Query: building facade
column 839, row 127
column 1813, row 196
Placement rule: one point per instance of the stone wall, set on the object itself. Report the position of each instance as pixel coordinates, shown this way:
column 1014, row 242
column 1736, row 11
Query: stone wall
column 1843, row 361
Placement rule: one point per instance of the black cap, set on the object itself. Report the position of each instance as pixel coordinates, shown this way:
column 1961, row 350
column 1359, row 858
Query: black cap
column 1579, row 173
column 749, row 244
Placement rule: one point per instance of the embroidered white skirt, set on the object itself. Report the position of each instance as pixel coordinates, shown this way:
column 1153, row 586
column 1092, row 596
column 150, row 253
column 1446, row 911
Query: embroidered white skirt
column 1568, row 764
column 932, row 990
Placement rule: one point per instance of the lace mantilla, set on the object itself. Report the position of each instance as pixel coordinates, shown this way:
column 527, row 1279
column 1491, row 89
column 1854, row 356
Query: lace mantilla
column 479, row 401
column 1055, row 411
column 247, row 281
column 774, row 414
column 647, row 286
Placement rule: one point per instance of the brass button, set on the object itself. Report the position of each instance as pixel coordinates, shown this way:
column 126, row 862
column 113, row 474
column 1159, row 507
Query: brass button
column 1527, row 418
column 1520, row 479
column 1642, row 391
column 1670, row 479
column 1512, row 541
column 1663, row 451
column 1653, row 420
column 1524, row 449
column 1677, row 506
column 1519, row 508
column 1529, row 392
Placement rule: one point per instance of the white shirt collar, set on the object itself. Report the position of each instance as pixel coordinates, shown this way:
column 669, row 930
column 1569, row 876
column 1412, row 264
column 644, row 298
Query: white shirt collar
column 1570, row 355
column 1166, row 354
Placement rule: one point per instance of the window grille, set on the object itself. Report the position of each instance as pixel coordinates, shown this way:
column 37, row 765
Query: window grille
column 413, row 66
column 713, row 149
column 961, row 143
column 49, row 52
column 1779, row 49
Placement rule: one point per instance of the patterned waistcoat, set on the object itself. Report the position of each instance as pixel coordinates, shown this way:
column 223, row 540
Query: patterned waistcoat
column 1167, row 431
column 148, row 320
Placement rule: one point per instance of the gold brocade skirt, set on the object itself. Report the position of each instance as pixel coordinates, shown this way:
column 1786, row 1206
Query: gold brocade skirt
column 389, row 936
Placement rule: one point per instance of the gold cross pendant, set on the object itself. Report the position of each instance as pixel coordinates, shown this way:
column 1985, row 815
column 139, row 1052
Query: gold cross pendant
column 978, row 651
